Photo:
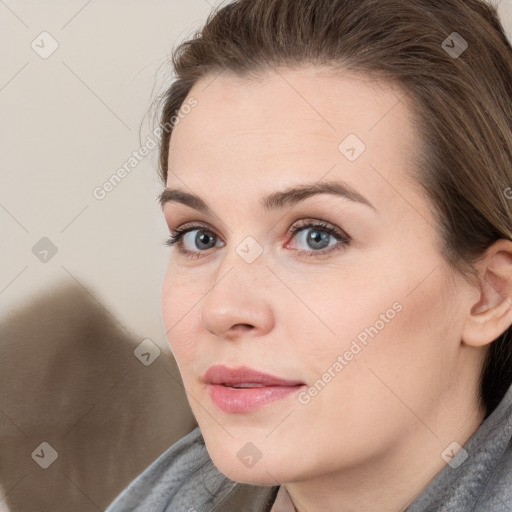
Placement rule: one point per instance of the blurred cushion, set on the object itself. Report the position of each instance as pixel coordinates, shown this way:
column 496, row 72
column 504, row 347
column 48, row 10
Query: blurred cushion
column 80, row 414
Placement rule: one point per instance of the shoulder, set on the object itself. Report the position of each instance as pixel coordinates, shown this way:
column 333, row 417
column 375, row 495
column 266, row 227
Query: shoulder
column 479, row 477
column 497, row 492
column 181, row 479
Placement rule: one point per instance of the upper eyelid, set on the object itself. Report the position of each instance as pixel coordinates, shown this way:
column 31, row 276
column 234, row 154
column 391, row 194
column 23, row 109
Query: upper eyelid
column 193, row 226
column 304, row 223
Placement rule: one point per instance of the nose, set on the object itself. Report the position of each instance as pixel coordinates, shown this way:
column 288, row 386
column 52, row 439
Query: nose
column 237, row 305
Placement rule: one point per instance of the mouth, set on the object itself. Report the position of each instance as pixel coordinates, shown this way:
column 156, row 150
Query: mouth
column 243, row 389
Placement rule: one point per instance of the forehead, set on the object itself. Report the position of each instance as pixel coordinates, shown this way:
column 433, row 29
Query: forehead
column 293, row 125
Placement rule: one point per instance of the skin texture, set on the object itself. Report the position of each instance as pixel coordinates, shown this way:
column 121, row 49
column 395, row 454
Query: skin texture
column 375, row 433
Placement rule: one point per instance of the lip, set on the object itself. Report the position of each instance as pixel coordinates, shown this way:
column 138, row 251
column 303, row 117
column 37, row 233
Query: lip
column 221, row 374
column 220, row 381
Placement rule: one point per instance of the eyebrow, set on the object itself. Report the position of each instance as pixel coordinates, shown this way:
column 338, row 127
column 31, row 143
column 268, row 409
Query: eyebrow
column 275, row 200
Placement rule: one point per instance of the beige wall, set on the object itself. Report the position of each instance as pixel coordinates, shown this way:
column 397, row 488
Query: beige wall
column 69, row 121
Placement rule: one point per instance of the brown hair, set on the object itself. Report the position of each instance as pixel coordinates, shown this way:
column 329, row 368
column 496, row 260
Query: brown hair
column 462, row 102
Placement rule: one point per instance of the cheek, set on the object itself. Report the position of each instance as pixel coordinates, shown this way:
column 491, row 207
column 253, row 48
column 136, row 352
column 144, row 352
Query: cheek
column 358, row 302
column 378, row 310
column 397, row 343
column 180, row 313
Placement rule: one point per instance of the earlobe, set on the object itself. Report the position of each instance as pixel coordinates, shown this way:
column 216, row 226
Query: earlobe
column 492, row 314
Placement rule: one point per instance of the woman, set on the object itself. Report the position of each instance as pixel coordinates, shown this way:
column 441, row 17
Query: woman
column 338, row 294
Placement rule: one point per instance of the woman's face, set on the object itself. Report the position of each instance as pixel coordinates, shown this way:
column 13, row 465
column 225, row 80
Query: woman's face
column 360, row 312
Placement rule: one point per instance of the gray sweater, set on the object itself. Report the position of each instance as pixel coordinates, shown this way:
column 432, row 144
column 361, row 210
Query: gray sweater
column 184, row 479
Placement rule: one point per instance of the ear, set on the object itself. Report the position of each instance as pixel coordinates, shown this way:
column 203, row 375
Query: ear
column 492, row 314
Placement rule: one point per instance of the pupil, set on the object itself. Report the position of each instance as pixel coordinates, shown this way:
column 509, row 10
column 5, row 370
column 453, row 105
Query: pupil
column 316, row 239
column 202, row 237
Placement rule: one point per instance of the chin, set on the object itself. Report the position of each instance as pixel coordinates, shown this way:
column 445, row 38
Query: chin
column 244, row 462
column 261, row 475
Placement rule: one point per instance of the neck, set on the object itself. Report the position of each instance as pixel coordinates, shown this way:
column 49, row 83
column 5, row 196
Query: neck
column 394, row 479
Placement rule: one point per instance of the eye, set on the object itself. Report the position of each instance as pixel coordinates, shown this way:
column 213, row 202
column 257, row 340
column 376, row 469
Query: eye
column 193, row 240
column 317, row 238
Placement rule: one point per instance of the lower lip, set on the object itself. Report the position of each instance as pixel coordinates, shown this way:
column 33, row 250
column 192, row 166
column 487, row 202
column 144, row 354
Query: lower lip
column 240, row 400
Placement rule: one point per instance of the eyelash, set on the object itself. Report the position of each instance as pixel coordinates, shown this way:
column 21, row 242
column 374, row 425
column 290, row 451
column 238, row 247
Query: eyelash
column 340, row 236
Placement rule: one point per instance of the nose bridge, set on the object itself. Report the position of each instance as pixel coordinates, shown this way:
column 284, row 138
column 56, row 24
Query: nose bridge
column 242, row 267
column 239, row 293
column 243, row 256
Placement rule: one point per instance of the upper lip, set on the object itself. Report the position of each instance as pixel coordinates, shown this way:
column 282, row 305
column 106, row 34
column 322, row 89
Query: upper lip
column 220, row 374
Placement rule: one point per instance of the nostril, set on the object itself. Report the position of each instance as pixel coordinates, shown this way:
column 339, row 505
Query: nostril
column 243, row 327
